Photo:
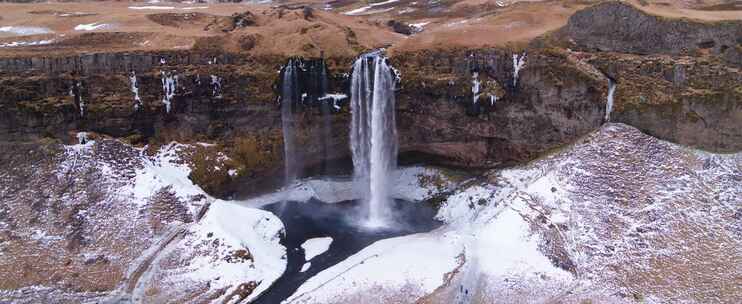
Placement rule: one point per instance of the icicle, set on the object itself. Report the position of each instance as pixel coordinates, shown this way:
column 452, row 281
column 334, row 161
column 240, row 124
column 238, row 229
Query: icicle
column 216, row 84
column 169, row 83
column 335, row 98
column 493, row 99
column 475, row 88
column 518, row 63
column 135, row 90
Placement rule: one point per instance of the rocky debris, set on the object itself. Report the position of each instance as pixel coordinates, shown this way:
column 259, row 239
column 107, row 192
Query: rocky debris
column 245, row 19
column 166, row 208
column 620, row 27
column 94, row 231
column 242, row 291
column 308, row 13
column 401, row 27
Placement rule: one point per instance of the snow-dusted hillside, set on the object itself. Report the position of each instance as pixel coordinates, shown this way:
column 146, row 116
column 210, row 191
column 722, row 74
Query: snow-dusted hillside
column 90, row 222
column 618, row 217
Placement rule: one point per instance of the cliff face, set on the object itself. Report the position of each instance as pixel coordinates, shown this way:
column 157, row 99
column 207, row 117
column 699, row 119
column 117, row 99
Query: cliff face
column 686, row 86
column 620, row 27
column 224, row 97
column 470, row 109
column 688, row 100
column 475, row 108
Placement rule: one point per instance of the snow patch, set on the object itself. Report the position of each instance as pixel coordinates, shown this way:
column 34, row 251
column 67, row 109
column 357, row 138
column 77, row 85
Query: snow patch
column 336, row 99
column 92, row 26
column 238, row 228
column 316, row 246
column 26, row 43
column 363, row 10
column 25, row 30
column 135, row 90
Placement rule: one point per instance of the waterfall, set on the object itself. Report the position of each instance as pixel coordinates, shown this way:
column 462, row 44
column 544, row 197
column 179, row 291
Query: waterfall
column 609, row 101
column 373, row 136
column 289, row 97
column 326, row 111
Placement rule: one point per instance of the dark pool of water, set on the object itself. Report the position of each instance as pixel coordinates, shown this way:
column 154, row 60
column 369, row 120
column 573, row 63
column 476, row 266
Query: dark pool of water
column 340, row 221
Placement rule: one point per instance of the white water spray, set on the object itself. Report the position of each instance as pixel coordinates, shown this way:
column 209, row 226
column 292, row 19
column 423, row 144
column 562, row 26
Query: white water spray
column 373, row 135
column 609, row 101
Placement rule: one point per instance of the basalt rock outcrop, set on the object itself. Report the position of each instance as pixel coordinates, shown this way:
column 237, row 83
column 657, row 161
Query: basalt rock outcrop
column 508, row 119
column 620, row 27
column 225, row 97
column 474, row 108
column 678, row 79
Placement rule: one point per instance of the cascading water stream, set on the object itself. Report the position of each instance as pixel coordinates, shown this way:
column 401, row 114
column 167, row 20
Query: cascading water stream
column 289, row 98
column 609, row 100
column 326, row 110
column 373, row 135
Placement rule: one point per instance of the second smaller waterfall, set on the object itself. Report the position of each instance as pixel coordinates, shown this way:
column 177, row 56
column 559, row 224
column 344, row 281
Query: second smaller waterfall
column 289, row 98
column 609, row 100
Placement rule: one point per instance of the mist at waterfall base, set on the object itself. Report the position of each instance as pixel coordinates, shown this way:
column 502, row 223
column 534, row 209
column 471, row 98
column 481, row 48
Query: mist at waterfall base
column 315, row 219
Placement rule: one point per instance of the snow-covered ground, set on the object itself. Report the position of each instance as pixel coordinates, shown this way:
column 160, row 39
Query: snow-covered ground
column 619, row 217
column 92, row 26
column 24, row 30
column 26, row 43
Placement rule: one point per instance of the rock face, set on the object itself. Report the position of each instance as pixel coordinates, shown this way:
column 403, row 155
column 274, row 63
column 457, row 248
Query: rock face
column 225, row 96
column 688, row 100
column 467, row 108
column 620, row 27
column 553, row 102
column 686, row 86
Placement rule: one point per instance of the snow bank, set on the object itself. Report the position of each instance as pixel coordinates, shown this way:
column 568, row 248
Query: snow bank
column 152, row 7
column 92, row 26
column 237, row 228
column 25, row 30
column 315, row 247
column 26, row 43
column 386, row 265
column 362, row 10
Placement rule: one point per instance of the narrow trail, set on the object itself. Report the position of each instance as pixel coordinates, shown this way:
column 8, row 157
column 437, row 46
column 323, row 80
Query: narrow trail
column 132, row 288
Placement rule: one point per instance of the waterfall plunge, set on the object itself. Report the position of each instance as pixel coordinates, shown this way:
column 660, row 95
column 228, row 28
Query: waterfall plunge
column 373, row 135
column 289, row 97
